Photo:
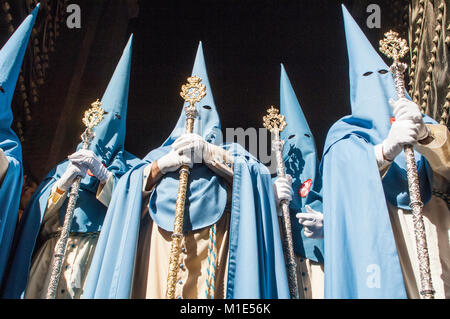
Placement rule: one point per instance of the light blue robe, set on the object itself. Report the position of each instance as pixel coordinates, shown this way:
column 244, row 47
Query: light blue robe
column 256, row 267
column 89, row 212
column 361, row 259
column 11, row 57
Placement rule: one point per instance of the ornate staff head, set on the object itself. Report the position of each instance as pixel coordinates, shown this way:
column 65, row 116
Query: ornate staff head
column 92, row 118
column 393, row 46
column 193, row 92
column 396, row 48
column 274, row 121
column 94, row 115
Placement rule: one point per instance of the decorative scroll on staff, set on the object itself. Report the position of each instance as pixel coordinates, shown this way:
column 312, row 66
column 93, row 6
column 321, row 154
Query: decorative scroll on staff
column 276, row 123
column 396, row 48
column 193, row 92
column 92, row 118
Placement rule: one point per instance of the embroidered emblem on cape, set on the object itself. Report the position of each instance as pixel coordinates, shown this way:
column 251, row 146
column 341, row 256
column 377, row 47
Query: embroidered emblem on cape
column 303, row 190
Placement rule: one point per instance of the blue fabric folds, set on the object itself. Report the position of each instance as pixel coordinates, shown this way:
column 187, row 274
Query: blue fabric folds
column 256, row 266
column 11, row 58
column 89, row 213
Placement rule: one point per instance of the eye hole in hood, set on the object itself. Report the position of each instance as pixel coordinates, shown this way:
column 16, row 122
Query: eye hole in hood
column 207, row 107
column 368, row 73
column 2, row 89
column 383, row 71
column 291, row 137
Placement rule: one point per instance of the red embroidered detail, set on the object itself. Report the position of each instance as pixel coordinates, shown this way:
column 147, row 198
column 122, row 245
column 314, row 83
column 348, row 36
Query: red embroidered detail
column 303, row 191
column 392, row 119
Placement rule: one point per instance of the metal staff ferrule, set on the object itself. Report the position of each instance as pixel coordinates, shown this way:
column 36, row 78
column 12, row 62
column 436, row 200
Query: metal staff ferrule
column 396, row 48
column 185, row 170
column 174, row 235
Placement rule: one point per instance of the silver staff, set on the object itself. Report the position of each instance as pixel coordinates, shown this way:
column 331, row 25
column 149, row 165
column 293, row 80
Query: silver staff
column 276, row 123
column 396, row 48
column 92, row 118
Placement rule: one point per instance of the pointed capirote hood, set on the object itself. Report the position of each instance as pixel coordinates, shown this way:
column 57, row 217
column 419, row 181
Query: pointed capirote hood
column 110, row 134
column 207, row 124
column 291, row 109
column 371, row 88
column 11, row 58
column 300, row 159
column 371, row 82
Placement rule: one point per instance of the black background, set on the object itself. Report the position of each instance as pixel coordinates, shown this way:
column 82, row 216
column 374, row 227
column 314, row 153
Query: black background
column 244, row 43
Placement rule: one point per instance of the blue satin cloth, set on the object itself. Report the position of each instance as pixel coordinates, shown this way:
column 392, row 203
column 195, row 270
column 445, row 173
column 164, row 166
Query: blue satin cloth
column 89, row 212
column 300, row 160
column 11, row 58
column 361, row 259
column 256, row 267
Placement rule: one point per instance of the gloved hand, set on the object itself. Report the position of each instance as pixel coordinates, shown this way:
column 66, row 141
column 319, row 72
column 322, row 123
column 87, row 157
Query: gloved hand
column 173, row 161
column 282, row 188
column 194, row 145
column 405, row 109
column 312, row 222
column 191, row 145
column 402, row 133
column 88, row 159
column 72, row 172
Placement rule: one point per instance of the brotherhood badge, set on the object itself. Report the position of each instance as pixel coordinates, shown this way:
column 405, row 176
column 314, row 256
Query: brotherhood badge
column 303, row 191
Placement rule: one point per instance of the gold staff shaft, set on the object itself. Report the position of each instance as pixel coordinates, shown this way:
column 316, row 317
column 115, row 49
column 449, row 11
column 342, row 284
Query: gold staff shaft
column 275, row 123
column 192, row 93
column 396, row 48
column 92, row 118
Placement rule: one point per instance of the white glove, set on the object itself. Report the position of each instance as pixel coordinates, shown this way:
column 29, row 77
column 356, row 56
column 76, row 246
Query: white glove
column 191, row 145
column 194, row 145
column 72, row 172
column 173, row 161
column 405, row 109
column 312, row 222
column 88, row 159
column 282, row 188
column 402, row 133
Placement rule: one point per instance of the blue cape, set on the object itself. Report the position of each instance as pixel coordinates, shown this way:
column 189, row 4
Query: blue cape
column 89, row 211
column 300, row 159
column 11, row 57
column 361, row 259
column 256, row 267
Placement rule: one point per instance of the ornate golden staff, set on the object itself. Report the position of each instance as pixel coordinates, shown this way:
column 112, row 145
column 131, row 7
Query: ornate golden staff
column 193, row 92
column 92, row 118
column 396, row 48
column 276, row 123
